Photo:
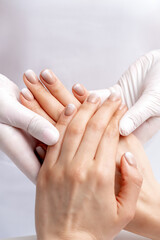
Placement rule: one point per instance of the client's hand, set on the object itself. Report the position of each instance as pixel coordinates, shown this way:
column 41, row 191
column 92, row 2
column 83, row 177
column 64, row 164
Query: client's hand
column 75, row 187
column 147, row 218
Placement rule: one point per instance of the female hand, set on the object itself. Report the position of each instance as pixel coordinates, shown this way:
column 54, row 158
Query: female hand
column 75, row 188
column 147, row 218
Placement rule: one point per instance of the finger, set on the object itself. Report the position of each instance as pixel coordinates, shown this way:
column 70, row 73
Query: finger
column 131, row 185
column 40, row 153
column 77, row 127
column 16, row 144
column 28, row 100
column 49, row 104
column 96, row 127
column 21, row 117
column 57, row 89
column 107, row 150
column 65, row 118
column 80, row 92
column 136, row 115
column 102, row 93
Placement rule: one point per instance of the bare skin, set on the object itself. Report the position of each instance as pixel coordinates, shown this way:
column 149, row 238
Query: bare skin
column 78, row 174
column 147, row 219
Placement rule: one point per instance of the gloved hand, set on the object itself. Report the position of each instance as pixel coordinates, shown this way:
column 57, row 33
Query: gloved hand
column 17, row 124
column 139, row 87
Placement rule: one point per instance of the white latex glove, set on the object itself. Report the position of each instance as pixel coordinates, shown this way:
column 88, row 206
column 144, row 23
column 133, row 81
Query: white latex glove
column 139, row 87
column 17, row 124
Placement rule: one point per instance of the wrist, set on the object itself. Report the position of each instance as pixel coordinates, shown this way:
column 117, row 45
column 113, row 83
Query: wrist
column 76, row 235
column 147, row 219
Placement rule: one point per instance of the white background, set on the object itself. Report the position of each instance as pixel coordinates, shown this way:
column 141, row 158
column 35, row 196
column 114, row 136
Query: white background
column 92, row 42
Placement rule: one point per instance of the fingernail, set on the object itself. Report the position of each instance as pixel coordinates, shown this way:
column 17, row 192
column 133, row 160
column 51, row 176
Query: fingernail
column 27, row 94
column 114, row 96
column 31, row 76
column 122, row 106
column 48, row 76
column 93, row 98
column 41, row 152
column 78, row 89
column 69, row 110
column 50, row 136
column 130, row 159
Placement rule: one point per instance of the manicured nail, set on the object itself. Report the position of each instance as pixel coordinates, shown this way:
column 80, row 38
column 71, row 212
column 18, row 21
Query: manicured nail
column 41, row 152
column 114, row 96
column 31, row 76
column 48, row 76
column 27, row 94
column 122, row 106
column 93, row 98
column 130, row 159
column 78, row 89
column 69, row 110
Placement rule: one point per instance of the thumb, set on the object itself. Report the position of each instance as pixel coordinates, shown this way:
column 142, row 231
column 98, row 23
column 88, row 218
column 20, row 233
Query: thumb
column 131, row 185
column 21, row 117
column 136, row 115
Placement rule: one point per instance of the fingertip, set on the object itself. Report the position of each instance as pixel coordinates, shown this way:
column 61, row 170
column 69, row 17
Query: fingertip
column 50, row 136
column 25, row 93
column 129, row 167
column 126, row 126
column 79, row 92
column 130, row 159
column 69, row 109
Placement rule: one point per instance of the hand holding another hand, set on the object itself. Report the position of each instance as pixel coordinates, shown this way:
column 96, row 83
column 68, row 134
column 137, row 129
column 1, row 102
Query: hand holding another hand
column 75, row 187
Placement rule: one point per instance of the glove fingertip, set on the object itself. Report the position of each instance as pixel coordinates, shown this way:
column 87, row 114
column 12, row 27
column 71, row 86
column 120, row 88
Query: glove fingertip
column 50, row 136
column 126, row 126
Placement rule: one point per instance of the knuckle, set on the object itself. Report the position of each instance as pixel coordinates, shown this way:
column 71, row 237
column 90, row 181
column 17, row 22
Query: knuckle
column 96, row 126
column 76, row 175
column 129, row 215
column 138, row 179
column 75, row 129
column 101, row 176
column 112, row 130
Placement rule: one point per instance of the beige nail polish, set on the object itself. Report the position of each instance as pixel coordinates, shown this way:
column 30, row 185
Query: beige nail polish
column 93, row 98
column 78, row 89
column 69, row 110
column 130, row 159
column 27, row 94
column 48, row 76
column 31, row 76
column 114, row 96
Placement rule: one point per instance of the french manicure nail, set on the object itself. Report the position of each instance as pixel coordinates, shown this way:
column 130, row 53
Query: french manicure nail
column 69, row 110
column 27, row 94
column 114, row 96
column 93, row 98
column 31, row 76
column 78, row 89
column 48, row 76
column 130, row 159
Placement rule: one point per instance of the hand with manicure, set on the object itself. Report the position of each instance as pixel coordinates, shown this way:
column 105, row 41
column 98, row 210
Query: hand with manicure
column 20, row 129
